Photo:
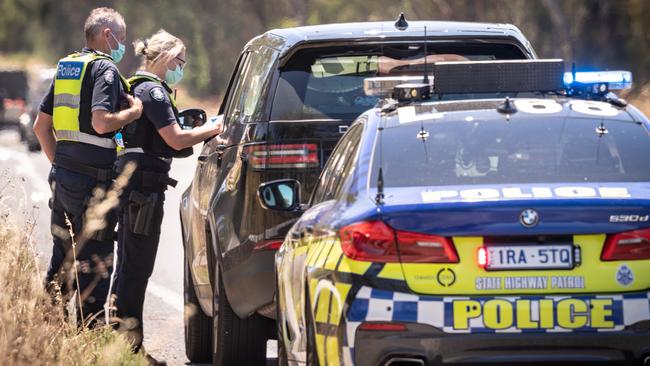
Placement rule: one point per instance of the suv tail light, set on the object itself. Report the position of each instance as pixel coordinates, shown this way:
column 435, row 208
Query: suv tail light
column 377, row 242
column 627, row 245
column 281, row 156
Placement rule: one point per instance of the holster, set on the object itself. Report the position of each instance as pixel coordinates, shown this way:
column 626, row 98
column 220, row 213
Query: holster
column 141, row 212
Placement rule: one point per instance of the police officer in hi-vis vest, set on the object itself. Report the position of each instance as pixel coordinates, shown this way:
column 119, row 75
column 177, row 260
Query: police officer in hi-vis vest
column 151, row 142
column 75, row 126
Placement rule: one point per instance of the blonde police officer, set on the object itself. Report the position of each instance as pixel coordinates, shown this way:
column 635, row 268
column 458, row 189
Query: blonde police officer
column 151, row 142
column 75, row 127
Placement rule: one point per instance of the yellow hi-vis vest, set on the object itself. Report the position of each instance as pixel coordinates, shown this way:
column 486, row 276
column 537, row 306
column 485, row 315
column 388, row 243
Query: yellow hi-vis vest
column 68, row 82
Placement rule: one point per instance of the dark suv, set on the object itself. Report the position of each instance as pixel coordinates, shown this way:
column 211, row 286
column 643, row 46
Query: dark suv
column 292, row 95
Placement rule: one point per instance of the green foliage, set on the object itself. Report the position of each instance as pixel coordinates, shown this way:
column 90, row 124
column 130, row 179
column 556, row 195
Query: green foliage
column 592, row 33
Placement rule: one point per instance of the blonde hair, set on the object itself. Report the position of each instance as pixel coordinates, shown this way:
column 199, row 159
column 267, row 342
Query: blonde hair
column 162, row 46
column 102, row 18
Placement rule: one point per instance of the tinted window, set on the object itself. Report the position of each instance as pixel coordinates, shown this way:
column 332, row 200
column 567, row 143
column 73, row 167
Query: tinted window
column 249, row 95
column 339, row 167
column 520, row 151
column 328, row 82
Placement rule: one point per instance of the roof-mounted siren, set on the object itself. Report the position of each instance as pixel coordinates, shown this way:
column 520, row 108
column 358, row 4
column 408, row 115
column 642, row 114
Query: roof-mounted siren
column 401, row 23
column 597, row 83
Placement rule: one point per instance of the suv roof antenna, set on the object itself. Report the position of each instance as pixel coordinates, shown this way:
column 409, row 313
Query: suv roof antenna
column 401, row 23
column 379, row 198
column 426, row 77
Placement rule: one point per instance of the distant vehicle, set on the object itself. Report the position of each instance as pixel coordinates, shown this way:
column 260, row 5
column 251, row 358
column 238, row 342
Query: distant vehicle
column 14, row 90
column 483, row 230
column 39, row 83
column 292, row 95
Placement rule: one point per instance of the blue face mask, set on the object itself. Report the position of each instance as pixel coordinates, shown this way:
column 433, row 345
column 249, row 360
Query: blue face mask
column 174, row 76
column 117, row 54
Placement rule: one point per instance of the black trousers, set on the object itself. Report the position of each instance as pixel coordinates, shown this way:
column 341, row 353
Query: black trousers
column 137, row 248
column 71, row 192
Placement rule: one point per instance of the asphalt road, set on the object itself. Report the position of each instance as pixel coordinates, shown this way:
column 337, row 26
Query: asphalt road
column 27, row 193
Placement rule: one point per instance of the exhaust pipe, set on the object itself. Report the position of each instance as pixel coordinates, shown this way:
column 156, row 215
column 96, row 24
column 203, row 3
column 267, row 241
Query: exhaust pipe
column 405, row 361
column 646, row 361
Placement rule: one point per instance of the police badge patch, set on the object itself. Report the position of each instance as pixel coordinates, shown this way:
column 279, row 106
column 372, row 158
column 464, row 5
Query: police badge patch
column 109, row 76
column 157, row 94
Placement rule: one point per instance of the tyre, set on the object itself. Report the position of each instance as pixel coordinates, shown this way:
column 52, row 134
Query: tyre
column 33, row 146
column 282, row 352
column 238, row 341
column 312, row 354
column 198, row 326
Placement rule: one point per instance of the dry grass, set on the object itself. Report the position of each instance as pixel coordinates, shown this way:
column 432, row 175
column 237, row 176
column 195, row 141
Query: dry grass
column 33, row 329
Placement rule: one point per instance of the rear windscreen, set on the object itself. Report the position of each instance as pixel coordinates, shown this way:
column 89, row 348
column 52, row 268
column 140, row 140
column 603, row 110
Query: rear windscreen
column 328, row 82
column 520, row 151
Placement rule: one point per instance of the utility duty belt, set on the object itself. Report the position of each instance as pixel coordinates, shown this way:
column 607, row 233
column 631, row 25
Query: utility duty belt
column 152, row 180
column 101, row 175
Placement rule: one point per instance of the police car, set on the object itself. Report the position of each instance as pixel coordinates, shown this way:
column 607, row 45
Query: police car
column 494, row 212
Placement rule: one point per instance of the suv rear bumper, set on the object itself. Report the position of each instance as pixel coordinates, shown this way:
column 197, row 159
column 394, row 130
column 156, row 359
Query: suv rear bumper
column 435, row 347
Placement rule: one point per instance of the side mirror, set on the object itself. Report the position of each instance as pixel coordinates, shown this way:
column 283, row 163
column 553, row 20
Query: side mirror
column 190, row 118
column 280, row 195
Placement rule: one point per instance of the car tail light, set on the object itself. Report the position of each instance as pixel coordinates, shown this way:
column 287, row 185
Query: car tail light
column 383, row 326
column 627, row 245
column 273, row 244
column 283, row 156
column 482, row 257
column 377, row 242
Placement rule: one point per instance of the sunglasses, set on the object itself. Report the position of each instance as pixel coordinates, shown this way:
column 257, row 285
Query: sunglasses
column 182, row 64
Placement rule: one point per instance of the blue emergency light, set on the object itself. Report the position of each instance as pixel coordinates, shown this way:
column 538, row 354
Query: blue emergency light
column 616, row 80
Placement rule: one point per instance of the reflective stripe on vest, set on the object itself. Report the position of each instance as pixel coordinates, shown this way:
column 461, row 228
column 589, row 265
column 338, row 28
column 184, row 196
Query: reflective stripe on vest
column 78, row 136
column 68, row 82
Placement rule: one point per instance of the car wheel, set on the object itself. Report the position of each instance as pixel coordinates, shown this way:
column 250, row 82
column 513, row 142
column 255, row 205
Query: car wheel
column 198, row 326
column 312, row 353
column 33, row 146
column 282, row 351
column 238, row 341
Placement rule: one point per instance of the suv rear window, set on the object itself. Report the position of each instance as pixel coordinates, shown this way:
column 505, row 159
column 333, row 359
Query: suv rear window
column 531, row 150
column 327, row 83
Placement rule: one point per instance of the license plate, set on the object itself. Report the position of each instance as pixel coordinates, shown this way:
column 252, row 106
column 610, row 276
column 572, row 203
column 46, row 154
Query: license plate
column 505, row 257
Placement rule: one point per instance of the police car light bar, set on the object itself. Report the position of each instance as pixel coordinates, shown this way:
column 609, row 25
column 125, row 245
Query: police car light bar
column 384, row 86
column 616, row 80
column 501, row 76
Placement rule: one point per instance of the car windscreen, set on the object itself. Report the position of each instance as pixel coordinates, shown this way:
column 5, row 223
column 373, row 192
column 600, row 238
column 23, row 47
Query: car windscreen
column 525, row 150
column 327, row 82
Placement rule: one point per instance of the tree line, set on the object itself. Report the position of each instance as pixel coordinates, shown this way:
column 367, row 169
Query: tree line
column 604, row 34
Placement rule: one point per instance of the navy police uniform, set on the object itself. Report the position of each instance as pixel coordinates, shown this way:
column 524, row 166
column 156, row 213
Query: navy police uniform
column 141, row 209
column 83, row 161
